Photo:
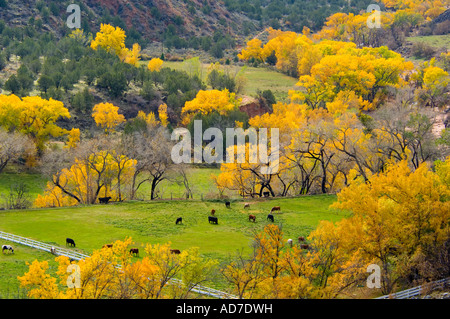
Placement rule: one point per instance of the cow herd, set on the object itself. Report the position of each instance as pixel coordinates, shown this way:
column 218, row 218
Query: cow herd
column 71, row 243
column 212, row 219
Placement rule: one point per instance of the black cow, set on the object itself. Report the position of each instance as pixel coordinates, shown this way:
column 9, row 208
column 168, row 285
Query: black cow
column 70, row 241
column 228, row 204
column 104, row 200
column 212, row 219
column 270, row 217
column 179, row 221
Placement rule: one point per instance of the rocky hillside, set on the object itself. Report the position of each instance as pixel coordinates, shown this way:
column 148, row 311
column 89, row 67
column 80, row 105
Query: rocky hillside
column 150, row 18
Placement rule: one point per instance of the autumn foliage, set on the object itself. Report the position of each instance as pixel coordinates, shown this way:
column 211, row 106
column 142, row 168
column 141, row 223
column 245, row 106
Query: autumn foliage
column 110, row 273
column 221, row 101
column 33, row 116
column 112, row 39
column 106, row 116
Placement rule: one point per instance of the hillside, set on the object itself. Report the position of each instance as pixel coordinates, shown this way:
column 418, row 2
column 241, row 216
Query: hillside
column 151, row 20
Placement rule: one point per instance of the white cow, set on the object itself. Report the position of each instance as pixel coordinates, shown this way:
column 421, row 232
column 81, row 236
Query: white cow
column 290, row 242
column 8, row 248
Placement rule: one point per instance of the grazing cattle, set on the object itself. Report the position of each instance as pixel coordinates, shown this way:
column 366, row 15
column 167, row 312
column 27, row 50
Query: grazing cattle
column 228, row 204
column 246, row 205
column 175, row 251
column 70, row 241
column 304, row 246
column 270, row 217
column 104, row 200
column 290, row 242
column 107, row 246
column 212, row 219
column 301, row 238
column 266, row 194
column 134, row 251
column 8, row 248
column 53, row 250
column 252, row 217
column 179, row 221
column 275, row 208
column 213, row 211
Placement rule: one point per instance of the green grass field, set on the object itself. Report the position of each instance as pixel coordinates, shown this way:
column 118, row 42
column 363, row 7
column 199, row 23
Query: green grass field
column 154, row 222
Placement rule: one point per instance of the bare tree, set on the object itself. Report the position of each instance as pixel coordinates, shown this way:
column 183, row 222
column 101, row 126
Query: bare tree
column 407, row 128
column 181, row 171
column 151, row 149
column 13, row 146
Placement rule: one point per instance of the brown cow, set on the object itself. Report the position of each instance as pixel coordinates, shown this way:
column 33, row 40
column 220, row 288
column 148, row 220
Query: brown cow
column 301, row 238
column 246, row 205
column 175, row 251
column 107, row 246
column 304, row 246
column 252, row 217
column 134, row 251
column 275, row 208
column 213, row 211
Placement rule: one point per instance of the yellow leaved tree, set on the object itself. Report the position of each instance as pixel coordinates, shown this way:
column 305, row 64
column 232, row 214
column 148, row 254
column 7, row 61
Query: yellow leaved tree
column 112, row 39
column 155, row 64
column 33, row 116
column 99, row 173
column 162, row 113
column 111, row 273
column 206, row 102
column 106, row 116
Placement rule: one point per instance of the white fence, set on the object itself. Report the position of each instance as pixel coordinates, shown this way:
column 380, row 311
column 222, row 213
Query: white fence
column 78, row 256
column 419, row 290
column 43, row 246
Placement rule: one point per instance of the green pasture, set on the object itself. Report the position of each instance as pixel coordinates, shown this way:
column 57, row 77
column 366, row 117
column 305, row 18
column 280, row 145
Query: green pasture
column 154, row 222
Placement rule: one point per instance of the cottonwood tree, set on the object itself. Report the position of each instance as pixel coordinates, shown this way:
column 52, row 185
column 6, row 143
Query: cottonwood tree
column 110, row 273
column 396, row 217
column 33, row 116
column 81, row 174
